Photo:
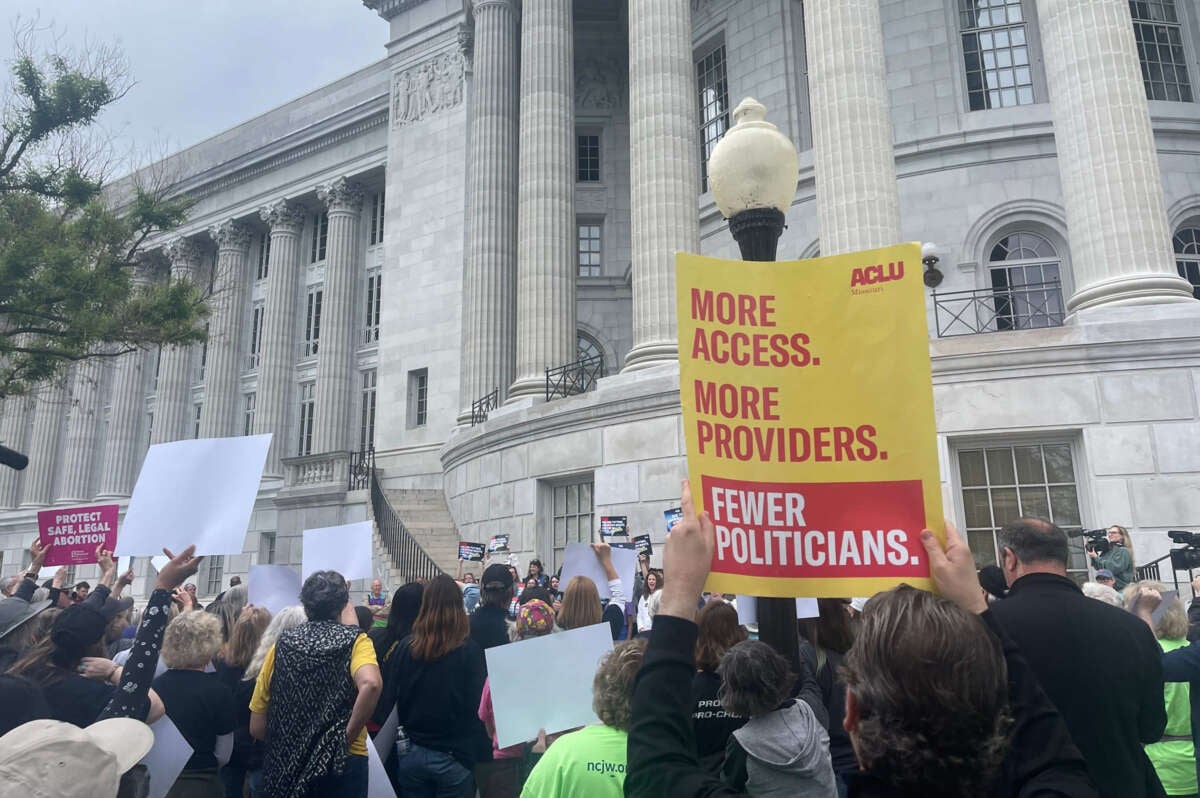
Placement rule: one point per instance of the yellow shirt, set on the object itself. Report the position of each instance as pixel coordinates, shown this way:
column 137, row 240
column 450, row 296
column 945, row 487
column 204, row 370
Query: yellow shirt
column 363, row 654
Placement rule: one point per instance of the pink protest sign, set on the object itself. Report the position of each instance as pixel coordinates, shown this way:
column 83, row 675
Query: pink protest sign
column 75, row 532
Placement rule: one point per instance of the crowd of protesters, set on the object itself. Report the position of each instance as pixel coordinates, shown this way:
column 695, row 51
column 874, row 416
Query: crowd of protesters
column 1009, row 681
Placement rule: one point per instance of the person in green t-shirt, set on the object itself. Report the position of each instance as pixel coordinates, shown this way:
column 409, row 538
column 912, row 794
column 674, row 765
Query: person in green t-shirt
column 591, row 762
column 1174, row 755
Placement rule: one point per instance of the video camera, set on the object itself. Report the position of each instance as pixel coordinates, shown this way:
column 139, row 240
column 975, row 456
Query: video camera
column 1188, row 557
column 1097, row 540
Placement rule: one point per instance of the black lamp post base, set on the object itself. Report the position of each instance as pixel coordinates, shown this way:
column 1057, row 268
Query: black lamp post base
column 757, row 232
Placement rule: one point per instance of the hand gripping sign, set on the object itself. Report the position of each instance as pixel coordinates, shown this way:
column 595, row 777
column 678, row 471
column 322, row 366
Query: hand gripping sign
column 808, row 413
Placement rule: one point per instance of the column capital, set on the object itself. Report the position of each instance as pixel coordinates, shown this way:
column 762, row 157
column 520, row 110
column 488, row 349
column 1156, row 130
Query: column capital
column 284, row 215
column 341, row 196
column 479, row 5
column 183, row 252
column 231, row 235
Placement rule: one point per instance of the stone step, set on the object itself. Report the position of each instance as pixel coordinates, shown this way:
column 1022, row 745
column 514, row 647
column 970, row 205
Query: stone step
column 427, row 518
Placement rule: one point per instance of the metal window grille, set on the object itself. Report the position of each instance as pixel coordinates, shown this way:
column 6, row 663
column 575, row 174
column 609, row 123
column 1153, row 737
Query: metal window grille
column 589, row 250
column 995, row 54
column 1159, row 35
column 1002, row 482
column 264, row 256
column 248, row 405
column 587, row 158
column 713, row 85
column 320, row 236
column 308, row 393
column 366, row 434
column 312, row 322
column 1187, row 256
column 571, row 517
column 374, row 297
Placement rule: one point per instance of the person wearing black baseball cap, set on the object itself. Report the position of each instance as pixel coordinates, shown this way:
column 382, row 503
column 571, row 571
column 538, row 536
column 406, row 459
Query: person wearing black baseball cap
column 57, row 663
column 489, row 622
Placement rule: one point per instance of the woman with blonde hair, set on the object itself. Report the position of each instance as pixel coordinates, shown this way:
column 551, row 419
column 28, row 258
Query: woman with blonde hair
column 1174, row 756
column 435, row 679
column 199, row 704
column 1118, row 558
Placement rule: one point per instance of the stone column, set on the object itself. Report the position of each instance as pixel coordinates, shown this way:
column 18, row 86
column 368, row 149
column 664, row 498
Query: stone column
column 231, row 292
column 83, row 420
column 173, row 397
column 49, row 410
column 123, row 444
column 340, row 315
column 546, row 265
column 857, row 202
column 14, row 433
column 664, row 170
column 277, row 365
column 1116, row 215
column 490, row 277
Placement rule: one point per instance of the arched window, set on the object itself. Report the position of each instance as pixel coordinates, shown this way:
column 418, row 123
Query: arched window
column 587, row 347
column 1187, row 254
column 1025, row 272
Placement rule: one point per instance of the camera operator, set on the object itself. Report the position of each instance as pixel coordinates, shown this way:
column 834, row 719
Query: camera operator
column 1118, row 558
column 1194, row 611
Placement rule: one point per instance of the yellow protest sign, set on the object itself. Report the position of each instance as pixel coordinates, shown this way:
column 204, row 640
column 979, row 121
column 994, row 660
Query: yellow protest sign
column 808, row 413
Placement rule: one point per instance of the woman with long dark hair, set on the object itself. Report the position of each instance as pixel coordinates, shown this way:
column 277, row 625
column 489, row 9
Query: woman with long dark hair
column 718, row 631
column 437, row 676
column 406, row 603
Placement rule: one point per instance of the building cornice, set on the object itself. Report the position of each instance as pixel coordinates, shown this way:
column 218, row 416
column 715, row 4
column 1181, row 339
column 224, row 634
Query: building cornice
column 389, row 9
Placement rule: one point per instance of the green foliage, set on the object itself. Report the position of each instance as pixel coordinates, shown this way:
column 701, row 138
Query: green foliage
column 67, row 256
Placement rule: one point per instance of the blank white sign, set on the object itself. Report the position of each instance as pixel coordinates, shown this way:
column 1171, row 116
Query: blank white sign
column 564, row 691
column 345, row 549
column 196, row 491
column 273, row 586
column 580, row 560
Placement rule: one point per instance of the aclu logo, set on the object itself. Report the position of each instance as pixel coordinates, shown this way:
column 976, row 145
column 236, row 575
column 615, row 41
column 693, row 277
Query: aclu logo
column 866, row 279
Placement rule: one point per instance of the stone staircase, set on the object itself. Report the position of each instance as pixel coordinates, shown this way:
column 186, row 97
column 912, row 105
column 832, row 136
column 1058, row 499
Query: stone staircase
column 427, row 518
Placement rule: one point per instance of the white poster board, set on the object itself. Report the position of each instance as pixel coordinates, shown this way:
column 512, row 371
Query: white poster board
column 747, row 609
column 564, row 692
column 580, row 560
column 345, row 549
column 195, row 491
column 273, row 587
column 378, row 783
column 167, row 757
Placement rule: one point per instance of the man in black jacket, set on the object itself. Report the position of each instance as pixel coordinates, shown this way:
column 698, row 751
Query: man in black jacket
column 1100, row 665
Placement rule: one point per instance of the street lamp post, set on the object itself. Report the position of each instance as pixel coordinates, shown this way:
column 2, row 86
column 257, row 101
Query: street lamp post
column 752, row 172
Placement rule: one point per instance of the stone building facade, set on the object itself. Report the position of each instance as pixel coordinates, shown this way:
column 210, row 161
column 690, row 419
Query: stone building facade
column 405, row 250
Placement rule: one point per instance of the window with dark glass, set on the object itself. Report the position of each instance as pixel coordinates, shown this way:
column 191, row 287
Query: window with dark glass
column 320, row 236
column 1159, row 35
column 377, row 206
column 366, row 433
column 995, row 53
column 587, row 158
column 264, row 256
column 1025, row 271
column 373, row 298
column 312, row 322
column 712, row 83
column 308, row 402
column 1187, row 255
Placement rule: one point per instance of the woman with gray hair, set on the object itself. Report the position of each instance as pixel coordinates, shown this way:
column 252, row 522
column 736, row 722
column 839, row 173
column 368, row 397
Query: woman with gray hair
column 199, row 704
column 317, row 688
column 1174, row 756
column 783, row 749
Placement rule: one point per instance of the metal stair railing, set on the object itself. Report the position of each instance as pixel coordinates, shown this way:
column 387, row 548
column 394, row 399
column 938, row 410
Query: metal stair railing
column 407, row 555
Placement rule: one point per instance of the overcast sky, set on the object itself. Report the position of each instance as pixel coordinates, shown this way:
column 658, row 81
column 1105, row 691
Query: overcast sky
column 202, row 66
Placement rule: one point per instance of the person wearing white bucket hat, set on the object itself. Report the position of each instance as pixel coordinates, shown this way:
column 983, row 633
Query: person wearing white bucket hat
column 52, row 759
